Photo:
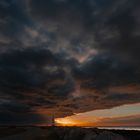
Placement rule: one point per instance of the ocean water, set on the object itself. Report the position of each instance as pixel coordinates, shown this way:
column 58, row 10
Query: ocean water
column 117, row 128
column 121, row 128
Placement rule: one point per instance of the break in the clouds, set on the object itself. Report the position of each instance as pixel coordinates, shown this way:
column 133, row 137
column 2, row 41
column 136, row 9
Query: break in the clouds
column 125, row 115
column 68, row 56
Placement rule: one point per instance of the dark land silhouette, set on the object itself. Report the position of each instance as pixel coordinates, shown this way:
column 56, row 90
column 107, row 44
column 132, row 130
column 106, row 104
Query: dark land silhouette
column 65, row 133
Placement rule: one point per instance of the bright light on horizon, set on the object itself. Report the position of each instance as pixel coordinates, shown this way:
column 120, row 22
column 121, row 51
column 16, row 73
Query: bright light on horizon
column 64, row 122
column 102, row 117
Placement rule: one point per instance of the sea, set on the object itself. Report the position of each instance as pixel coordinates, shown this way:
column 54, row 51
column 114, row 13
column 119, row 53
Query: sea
column 120, row 128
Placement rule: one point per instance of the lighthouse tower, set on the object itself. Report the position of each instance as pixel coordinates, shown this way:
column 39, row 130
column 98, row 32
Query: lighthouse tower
column 53, row 120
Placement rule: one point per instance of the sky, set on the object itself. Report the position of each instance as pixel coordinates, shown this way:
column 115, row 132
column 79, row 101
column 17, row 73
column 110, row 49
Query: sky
column 125, row 115
column 77, row 58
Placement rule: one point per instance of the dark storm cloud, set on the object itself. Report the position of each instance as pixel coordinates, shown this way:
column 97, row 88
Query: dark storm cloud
column 13, row 112
column 99, row 74
column 12, row 118
column 119, row 34
column 53, row 9
column 13, row 105
column 115, row 24
column 32, row 68
column 31, row 78
column 65, row 55
column 106, row 70
column 12, row 18
column 117, row 99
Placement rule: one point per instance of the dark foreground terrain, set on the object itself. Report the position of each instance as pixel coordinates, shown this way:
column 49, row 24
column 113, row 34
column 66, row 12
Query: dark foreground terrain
column 65, row 133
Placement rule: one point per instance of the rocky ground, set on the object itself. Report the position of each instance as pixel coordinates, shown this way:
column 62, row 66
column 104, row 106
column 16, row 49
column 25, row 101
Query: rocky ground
column 65, row 133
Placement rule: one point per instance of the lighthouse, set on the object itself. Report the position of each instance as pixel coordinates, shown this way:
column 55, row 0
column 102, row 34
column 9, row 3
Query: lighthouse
column 53, row 120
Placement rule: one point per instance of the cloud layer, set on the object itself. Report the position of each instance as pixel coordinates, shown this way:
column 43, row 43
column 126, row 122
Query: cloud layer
column 68, row 56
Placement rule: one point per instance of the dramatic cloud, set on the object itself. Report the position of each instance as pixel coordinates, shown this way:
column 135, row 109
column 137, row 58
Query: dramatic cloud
column 121, row 121
column 68, row 56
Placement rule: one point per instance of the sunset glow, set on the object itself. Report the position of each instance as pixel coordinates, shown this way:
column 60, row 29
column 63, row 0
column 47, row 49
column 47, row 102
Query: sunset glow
column 65, row 122
column 117, row 116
